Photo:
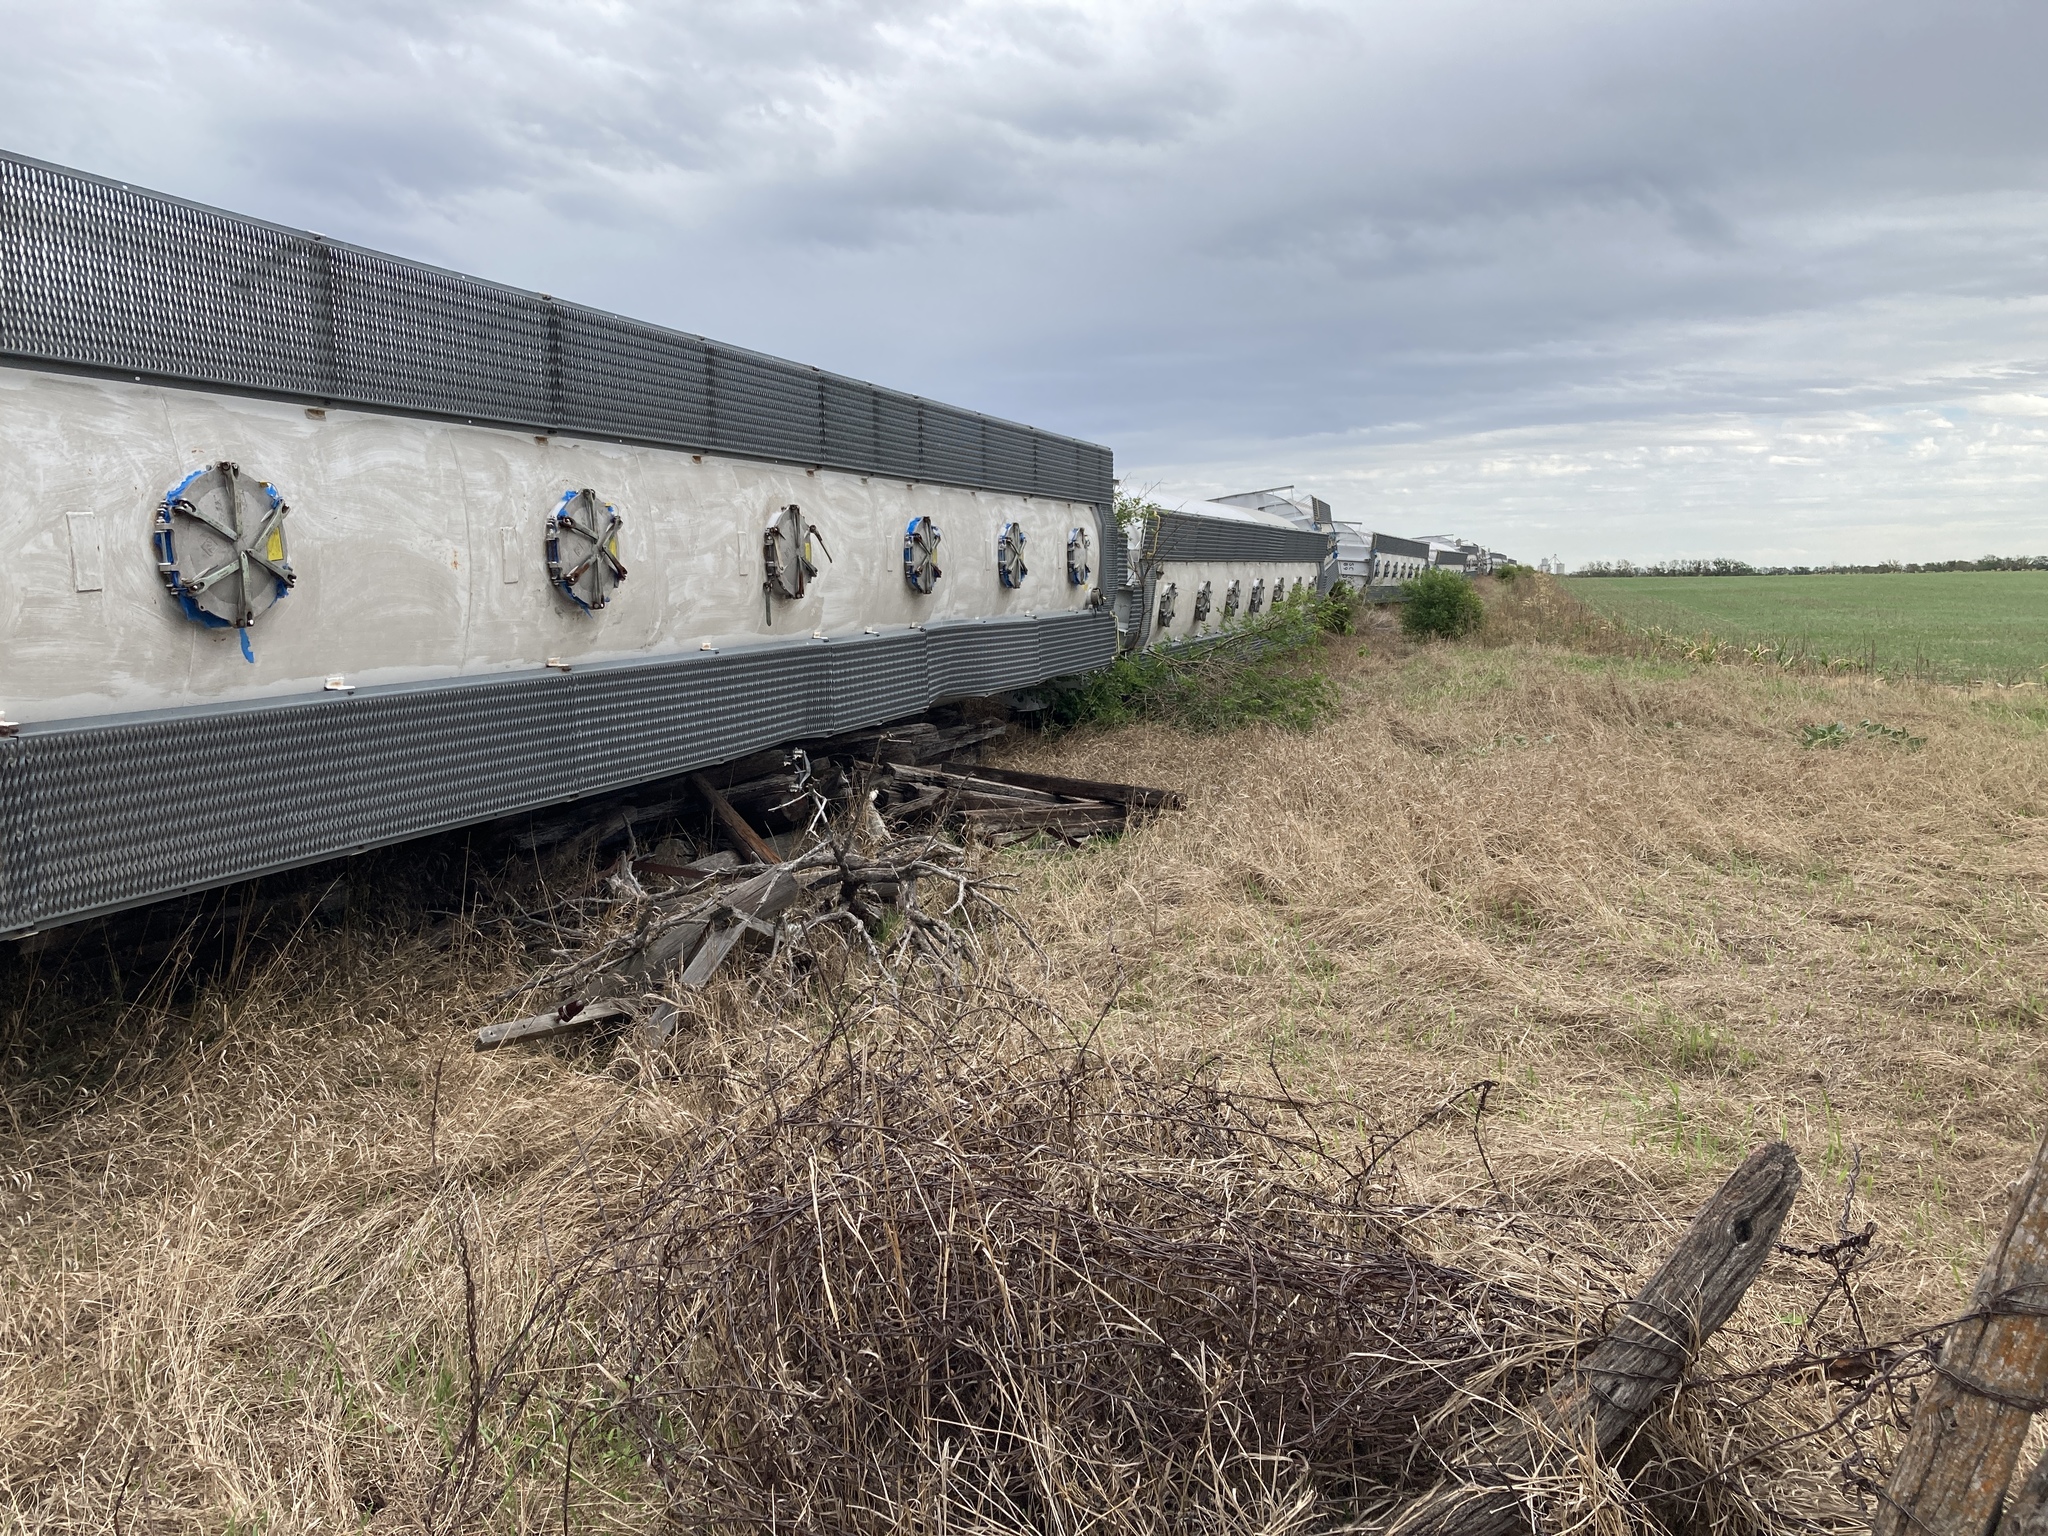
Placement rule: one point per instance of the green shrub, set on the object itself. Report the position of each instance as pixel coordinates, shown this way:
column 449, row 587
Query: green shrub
column 1441, row 603
column 1337, row 610
column 1254, row 671
column 1510, row 573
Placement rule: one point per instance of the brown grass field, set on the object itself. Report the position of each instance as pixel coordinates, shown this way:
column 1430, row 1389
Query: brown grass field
column 1619, row 888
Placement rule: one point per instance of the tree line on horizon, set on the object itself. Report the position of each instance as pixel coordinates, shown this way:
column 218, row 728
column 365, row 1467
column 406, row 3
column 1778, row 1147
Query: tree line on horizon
column 1744, row 568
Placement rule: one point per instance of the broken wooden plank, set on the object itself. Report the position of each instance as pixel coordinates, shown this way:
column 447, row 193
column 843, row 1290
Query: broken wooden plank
column 962, row 781
column 750, row 907
column 665, row 951
column 972, row 798
column 544, row 1026
column 711, row 954
column 661, row 1024
column 1136, row 796
column 1992, row 1376
column 924, row 798
column 749, row 840
column 1066, row 819
column 1614, row 1387
column 941, row 741
column 912, row 741
column 697, row 869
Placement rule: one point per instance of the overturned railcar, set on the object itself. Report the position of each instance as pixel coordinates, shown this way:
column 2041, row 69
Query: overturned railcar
column 313, row 549
column 1198, row 571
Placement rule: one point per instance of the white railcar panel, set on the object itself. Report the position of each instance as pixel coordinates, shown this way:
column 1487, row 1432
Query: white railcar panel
column 418, row 546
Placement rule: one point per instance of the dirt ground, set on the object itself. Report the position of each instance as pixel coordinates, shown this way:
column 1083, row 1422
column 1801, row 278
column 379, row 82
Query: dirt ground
column 1621, row 891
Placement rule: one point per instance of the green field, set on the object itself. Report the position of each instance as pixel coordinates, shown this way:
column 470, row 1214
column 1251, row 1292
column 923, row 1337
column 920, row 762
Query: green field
column 1953, row 625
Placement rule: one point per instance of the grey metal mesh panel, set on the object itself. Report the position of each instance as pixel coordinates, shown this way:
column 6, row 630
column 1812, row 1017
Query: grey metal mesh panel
column 1007, row 451
column 952, row 447
column 1115, row 552
column 648, row 719
column 851, row 438
column 764, row 407
column 1388, row 544
column 1076, row 642
column 418, row 339
column 98, row 815
column 1094, row 472
column 109, row 278
column 1179, row 536
column 101, row 275
column 968, row 658
column 622, row 377
column 877, row 678
column 899, row 436
column 1057, row 461
column 134, row 809
column 17, row 843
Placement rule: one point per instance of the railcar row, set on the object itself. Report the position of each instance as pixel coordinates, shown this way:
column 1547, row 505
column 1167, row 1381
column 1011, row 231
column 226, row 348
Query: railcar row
column 1341, row 552
column 315, row 548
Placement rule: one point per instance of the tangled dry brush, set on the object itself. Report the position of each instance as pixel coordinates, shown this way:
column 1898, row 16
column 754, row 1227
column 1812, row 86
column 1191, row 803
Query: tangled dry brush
column 946, row 1274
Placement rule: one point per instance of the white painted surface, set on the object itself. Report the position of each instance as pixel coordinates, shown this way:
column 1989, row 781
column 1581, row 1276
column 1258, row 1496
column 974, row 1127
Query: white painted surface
column 406, row 572
column 1189, row 575
column 86, row 569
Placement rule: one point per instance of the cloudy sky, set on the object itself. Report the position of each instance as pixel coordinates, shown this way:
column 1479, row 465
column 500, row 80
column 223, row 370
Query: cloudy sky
column 1765, row 278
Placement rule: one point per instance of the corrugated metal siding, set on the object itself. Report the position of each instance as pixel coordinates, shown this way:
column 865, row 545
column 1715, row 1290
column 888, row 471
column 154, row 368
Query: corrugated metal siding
column 654, row 384
column 1407, row 549
column 17, row 843
column 107, row 278
column 133, row 809
column 1070, row 643
column 877, row 678
column 99, row 815
column 1186, row 536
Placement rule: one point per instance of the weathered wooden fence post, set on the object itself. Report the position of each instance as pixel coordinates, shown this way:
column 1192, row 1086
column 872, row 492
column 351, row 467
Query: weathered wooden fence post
column 1625, row 1375
column 1993, row 1377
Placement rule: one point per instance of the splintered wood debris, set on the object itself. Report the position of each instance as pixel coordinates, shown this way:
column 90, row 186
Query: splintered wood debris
column 864, row 862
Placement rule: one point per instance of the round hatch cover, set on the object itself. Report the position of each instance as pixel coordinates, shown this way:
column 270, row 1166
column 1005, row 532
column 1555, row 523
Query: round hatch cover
column 789, row 554
column 1010, row 567
column 220, row 546
column 1078, row 567
column 1231, row 595
column 1202, row 603
column 921, row 555
column 583, row 549
column 1169, row 601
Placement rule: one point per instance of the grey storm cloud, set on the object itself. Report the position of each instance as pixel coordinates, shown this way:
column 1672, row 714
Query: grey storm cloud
column 1584, row 277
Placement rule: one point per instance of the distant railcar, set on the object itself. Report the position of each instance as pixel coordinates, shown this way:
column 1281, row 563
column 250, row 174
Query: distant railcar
column 1187, row 564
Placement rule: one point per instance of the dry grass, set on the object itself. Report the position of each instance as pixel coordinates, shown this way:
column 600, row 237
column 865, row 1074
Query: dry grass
column 231, row 1294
